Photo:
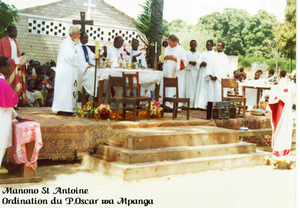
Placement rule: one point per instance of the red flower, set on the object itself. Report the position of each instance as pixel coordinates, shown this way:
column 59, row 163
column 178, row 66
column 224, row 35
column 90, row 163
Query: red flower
column 104, row 111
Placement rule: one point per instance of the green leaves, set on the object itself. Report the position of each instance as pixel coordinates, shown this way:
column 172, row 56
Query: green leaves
column 145, row 19
column 8, row 16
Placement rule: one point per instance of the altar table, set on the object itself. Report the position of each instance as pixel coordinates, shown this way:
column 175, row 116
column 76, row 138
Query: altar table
column 147, row 77
column 259, row 87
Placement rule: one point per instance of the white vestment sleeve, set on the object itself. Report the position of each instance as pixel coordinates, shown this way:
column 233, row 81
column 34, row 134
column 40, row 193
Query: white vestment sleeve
column 91, row 56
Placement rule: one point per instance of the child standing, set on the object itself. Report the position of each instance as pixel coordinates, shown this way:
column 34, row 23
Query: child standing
column 8, row 99
column 38, row 87
column 28, row 73
column 50, row 88
column 31, row 94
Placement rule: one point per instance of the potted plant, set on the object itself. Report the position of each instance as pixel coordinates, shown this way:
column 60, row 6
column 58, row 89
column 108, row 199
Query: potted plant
column 85, row 110
column 155, row 109
column 103, row 111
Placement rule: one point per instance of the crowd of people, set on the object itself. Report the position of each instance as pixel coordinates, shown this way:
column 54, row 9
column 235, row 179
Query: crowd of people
column 39, row 84
column 199, row 74
column 54, row 85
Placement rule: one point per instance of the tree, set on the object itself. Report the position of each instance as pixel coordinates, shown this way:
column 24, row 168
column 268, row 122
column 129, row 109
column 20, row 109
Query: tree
column 275, row 50
column 155, row 30
column 240, row 31
column 165, row 28
column 187, row 32
column 227, row 26
column 145, row 20
column 286, row 32
column 8, row 16
column 258, row 29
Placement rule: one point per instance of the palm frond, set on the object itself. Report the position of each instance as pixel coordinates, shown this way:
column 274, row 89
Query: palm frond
column 145, row 19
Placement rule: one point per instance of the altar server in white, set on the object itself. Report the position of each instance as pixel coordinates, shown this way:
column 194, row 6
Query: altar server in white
column 174, row 62
column 66, row 77
column 139, row 57
column 135, row 53
column 191, row 72
column 215, row 74
column 115, row 51
column 206, row 62
column 86, row 58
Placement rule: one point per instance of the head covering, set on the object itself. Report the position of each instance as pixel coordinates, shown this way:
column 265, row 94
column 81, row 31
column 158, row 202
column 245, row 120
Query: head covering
column 118, row 36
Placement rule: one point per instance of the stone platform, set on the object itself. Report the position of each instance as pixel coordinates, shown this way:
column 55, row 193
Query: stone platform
column 68, row 137
column 163, row 151
column 145, row 148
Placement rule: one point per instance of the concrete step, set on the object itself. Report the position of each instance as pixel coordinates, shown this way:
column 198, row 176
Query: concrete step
column 146, row 170
column 118, row 154
column 143, row 138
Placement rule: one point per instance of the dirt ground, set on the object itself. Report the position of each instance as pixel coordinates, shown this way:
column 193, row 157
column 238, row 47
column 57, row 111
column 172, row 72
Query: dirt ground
column 251, row 187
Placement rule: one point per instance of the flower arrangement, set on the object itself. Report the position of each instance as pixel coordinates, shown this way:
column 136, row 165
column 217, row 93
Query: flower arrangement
column 103, row 111
column 84, row 110
column 155, row 108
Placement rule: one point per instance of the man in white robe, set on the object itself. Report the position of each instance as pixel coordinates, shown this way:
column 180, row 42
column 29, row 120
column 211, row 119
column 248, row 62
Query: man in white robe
column 136, row 54
column 174, row 62
column 206, row 62
column 139, row 57
column 219, row 71
column 66, row 77
column 191, row 72
column 115, row 52
column 281, row 102
column 86, row 58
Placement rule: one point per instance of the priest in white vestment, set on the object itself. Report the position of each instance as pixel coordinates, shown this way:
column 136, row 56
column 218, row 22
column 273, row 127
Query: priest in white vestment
column 8, row 99
column 281, row 102
column 174, row 62
column 219, row 71
column 115, row 51
column 135, row 53
column 139, row 57
column 86, row 58
column 206, row 62
column 66, row 77
column 191, row 72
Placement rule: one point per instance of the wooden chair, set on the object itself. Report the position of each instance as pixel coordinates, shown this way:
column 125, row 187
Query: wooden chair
column 240, row 99
column 121, row 82
column 136, row 87
column 173, row 82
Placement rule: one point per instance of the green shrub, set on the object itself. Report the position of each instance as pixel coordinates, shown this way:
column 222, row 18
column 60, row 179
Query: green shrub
column 283, row 63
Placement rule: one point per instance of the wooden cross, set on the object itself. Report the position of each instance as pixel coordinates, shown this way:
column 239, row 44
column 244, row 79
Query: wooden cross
column 83, row 22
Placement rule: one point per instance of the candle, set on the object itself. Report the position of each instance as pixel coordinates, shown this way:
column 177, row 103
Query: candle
column 162, row 56
column 155, row 47
column 97, row 50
